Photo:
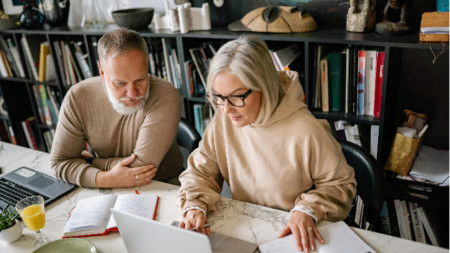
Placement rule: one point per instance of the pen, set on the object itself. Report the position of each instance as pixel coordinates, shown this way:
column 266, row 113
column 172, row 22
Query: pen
column 204, row 226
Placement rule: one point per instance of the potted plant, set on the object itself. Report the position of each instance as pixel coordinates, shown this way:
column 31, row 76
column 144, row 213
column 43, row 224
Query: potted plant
column 10, row 226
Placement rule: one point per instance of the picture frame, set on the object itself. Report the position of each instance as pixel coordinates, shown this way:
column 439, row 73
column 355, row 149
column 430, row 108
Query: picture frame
column 12, row 7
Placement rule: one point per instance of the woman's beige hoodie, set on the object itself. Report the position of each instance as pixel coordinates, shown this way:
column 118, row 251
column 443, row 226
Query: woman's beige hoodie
column 290, row 160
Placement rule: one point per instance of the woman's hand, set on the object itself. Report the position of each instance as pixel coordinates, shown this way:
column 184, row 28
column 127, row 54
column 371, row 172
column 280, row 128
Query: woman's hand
column 195, row 219
column 304, row 229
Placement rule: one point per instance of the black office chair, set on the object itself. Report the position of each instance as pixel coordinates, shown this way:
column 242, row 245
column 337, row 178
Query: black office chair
column 369, row 178
column 187, row 138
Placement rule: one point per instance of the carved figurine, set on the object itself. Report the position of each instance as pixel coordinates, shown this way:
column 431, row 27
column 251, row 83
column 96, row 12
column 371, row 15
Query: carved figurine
column 395, row 18
column 361, row 16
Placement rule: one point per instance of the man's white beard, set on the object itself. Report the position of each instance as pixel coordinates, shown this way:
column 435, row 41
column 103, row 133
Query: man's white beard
column 121, row 107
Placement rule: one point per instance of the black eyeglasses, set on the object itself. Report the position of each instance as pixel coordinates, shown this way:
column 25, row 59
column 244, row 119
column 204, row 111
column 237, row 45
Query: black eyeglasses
column 234, row 100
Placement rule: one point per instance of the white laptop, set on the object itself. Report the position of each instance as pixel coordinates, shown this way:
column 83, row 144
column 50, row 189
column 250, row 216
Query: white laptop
column 145, row 235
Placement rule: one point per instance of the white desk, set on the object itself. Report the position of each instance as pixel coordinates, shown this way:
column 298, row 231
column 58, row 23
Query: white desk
column 242, row 220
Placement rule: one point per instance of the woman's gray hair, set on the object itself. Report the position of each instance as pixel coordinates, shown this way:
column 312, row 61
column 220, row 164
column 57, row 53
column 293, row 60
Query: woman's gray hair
column 120, row 41
column 249, row 59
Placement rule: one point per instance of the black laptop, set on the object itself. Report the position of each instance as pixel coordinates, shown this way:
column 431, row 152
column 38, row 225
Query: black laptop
column 24, row 182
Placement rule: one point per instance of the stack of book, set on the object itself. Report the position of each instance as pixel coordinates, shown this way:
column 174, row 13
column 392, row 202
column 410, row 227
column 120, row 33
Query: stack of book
column 348, row 80
column 434, row 26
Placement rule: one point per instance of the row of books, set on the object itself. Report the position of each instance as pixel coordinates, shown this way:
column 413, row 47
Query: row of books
column 10, row 62
column 202, row 116
column 47, row 104
column 409, row 220
column 283, row 57
column 6, row 132
column 356, row 217
column 72, row 61
column 348, row 80
column 355, row 133
column 197, row 67
column 163, row 61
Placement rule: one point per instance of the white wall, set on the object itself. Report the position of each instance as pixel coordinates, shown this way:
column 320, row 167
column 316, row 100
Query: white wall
column 157, row 4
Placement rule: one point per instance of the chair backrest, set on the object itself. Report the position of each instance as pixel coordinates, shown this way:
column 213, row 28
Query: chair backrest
column 369, row 178
column 187, row 138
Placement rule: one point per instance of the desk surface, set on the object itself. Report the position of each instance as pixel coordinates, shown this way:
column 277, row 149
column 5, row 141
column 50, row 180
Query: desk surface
column 234, row 218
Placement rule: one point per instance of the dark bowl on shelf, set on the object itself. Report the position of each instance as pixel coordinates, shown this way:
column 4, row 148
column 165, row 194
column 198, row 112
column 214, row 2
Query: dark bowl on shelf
column 134, row 18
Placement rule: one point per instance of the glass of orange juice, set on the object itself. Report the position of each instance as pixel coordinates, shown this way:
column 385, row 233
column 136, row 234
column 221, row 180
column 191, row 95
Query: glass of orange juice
column 32, row 212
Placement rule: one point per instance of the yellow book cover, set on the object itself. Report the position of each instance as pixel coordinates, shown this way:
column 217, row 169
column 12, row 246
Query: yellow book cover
column 44, row 51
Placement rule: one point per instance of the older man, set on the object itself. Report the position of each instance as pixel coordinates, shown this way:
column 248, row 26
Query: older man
column 127, row 117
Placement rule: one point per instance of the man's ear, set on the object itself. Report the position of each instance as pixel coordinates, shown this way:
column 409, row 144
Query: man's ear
column 100, row 69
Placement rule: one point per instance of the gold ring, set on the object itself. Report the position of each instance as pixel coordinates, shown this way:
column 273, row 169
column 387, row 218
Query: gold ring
column 137, row 176
column 310, row 228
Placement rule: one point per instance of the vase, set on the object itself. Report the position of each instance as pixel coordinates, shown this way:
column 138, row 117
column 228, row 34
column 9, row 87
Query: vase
column 31, row 17
column 55, row 11
column 11, row 234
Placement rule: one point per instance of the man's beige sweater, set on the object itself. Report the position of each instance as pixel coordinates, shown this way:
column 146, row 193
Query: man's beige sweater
column 86, row 115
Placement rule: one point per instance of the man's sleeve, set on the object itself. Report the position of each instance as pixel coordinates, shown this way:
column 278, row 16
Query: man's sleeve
column 68, row 143
column 158, row 131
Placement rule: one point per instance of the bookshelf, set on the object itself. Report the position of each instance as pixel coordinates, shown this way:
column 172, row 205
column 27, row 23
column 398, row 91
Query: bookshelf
column 411, row 80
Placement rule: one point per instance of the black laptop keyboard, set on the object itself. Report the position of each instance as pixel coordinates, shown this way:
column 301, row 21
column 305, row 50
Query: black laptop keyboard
column 11, row 193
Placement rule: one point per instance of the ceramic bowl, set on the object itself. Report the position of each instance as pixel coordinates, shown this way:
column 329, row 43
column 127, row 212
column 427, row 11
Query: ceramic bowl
column 134, row 18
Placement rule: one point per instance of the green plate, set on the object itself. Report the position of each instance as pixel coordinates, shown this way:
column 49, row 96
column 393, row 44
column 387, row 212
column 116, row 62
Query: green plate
column 69, row 245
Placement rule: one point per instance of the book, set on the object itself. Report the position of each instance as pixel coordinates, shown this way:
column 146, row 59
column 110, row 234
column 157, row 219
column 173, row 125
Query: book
column 427, row 225
column 44, row 51
column 3, row 65
column 200, row 63
column 16, row 56
column 352, row 134
column 374, row 133
column 369, row 90
column 30, row 129
column 361, row 82
column 419, row 233
column 402, row 219
column 334, row 81
column 378, row 84
column 31, row 48
column 92, row 216
column 324, row 84
column 285, row 56
column 82, row 60
column 9, row 57
column 354, row 80
column 339, row 237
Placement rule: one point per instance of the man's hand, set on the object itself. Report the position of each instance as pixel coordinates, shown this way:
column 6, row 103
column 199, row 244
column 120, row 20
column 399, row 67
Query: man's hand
column 195, row 219
column 123, row 176
column 304, row 229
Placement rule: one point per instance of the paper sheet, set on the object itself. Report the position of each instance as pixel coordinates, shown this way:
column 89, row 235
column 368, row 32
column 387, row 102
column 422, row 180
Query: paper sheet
column 338, row 238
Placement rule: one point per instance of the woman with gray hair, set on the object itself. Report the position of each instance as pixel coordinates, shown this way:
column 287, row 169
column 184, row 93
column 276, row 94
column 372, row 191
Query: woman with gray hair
column 268, row 147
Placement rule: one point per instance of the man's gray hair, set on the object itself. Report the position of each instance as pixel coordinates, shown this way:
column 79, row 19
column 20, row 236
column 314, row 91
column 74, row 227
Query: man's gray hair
column 120, row 41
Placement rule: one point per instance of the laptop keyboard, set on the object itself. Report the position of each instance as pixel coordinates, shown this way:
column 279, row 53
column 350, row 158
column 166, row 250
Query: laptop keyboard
column 11, row 193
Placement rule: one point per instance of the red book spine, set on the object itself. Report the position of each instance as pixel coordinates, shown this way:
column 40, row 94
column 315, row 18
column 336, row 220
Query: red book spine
column 378, row 84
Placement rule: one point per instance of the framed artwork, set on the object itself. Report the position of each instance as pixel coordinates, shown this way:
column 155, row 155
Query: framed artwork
column 12, row 7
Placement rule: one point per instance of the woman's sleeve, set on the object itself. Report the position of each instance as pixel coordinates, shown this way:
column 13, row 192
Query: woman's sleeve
column 201, row 183
column 334, row 181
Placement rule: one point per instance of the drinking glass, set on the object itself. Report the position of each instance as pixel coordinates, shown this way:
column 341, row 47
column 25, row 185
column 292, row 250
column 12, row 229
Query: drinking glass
column 32, row 212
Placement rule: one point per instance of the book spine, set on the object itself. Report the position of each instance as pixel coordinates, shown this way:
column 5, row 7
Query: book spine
column 324, row 84
column 369, row 92
column 361, row 82
column 426, row 224
column 334, row 81
column 28, row 55
column 419, row 233
column 379, row 84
